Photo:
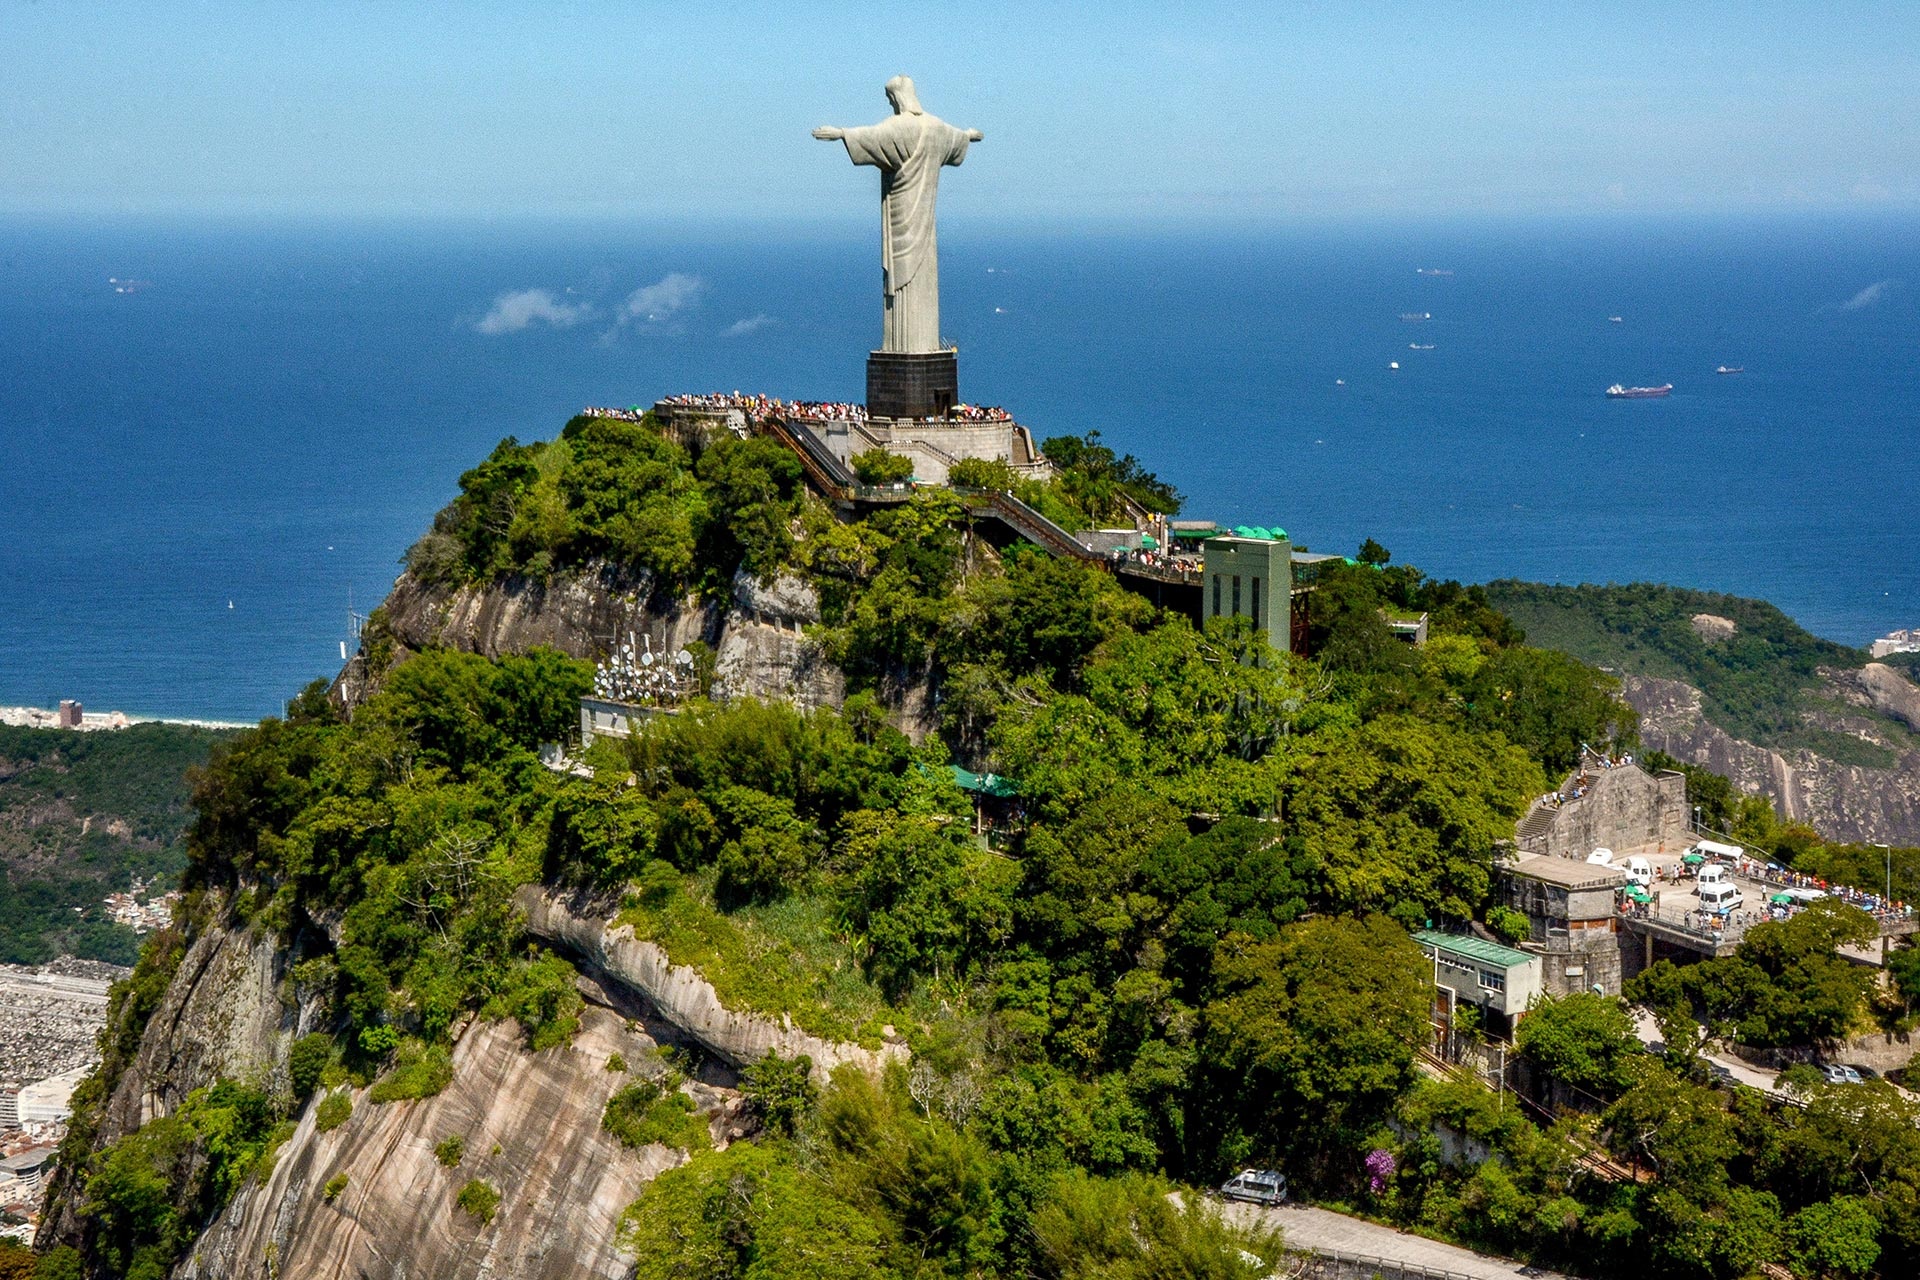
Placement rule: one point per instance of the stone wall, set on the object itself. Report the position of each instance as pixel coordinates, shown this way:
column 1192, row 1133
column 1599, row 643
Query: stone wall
column 1624, row 808
column 1597, row 953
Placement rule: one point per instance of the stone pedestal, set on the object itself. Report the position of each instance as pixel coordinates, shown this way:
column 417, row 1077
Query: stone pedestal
column 912, row 384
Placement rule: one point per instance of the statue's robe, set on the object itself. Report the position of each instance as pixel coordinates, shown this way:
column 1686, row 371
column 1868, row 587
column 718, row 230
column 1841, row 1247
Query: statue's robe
column 909, row 150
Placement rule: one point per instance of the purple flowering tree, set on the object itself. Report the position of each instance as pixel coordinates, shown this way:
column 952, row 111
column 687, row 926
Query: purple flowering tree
column 1380, row 1167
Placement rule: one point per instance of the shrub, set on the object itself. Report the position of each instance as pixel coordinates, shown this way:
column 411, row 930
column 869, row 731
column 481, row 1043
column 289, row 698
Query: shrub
column 481, row 1199
column 378, row 1042
column 332, row 1112
column 877, row 466
column 335, row 1185
column 1511, row 926
column 644, row 1113
column 450, row 1150
column 616, row 1063
column 780, row 1091
column 420, row 1072
column 307, row 1061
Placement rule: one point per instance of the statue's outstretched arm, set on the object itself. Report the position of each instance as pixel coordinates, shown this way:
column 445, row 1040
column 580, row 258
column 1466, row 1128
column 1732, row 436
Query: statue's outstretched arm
column 973, row 135
column 828, row 133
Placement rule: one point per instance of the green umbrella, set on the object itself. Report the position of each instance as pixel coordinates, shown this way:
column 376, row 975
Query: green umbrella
column 1694, row 859
column 1782, row 899
column 1638, row 894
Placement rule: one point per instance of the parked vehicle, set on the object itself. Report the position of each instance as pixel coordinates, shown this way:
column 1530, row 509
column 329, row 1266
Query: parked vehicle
column 1834, row 1073
column 1257, row 1186
column 1639, row 871
column 1718, row 898
column 1713, row 873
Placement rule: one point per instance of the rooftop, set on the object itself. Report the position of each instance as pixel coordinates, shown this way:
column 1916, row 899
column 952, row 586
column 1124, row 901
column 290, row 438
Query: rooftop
column 1566, row 872
column 1473, row 948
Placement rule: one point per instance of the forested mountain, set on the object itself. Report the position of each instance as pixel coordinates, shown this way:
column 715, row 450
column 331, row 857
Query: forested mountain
column 1183, row 949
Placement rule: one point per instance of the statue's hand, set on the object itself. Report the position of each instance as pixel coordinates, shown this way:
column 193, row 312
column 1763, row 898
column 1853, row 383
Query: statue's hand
column 974, row 135
column 827, row 133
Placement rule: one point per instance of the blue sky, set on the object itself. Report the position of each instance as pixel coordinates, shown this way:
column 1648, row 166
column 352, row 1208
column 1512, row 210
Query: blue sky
column 1118, row 111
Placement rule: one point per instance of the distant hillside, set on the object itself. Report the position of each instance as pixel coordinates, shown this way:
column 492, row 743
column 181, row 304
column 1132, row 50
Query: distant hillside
column 81, row 814
column 1759, row 678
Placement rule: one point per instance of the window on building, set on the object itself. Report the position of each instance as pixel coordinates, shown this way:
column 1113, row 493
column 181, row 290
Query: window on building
column 1257, row 622
column 1216, row 595
column 1236, row 595
column 1493, row 980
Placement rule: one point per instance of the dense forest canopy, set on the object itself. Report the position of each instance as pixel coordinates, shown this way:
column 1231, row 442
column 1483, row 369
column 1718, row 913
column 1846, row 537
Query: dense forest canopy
column 1185, row 950
column 83, row 815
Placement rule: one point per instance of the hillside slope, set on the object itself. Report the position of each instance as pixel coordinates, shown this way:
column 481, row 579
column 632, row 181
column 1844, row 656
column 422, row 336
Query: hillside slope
column 83, row 815
column 1735, row 685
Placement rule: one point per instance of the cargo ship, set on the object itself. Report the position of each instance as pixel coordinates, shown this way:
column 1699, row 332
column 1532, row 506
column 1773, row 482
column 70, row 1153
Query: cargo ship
column 1618, row 392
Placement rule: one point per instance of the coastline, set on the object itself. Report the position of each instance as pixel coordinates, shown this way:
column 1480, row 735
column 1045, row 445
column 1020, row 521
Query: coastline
column 105, row 721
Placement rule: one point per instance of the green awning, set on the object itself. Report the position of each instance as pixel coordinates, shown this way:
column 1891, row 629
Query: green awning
column 986, row 784
column 1148, row 540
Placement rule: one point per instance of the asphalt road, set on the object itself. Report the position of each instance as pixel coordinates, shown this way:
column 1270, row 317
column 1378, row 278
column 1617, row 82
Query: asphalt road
column 1323, row 1230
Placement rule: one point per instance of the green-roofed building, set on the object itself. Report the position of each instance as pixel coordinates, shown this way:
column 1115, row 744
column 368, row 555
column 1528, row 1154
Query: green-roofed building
column 1502, row 982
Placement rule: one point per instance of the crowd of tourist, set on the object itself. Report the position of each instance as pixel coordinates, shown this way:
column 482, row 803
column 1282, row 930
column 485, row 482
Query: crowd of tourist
column 1583, row 783
column 756, row 407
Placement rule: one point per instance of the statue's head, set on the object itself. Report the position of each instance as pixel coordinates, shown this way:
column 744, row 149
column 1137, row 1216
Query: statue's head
column 900, row 93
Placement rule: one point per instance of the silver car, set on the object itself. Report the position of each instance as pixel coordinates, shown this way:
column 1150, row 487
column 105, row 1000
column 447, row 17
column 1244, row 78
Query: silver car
column 1258, row 1186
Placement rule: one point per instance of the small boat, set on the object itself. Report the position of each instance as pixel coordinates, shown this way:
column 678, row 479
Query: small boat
column 1415, row 317
column 1419, row 346
column 1618, row 392
column 1393, row 364
column 1616, row 320
column 1432, row 271
column 1731, row 369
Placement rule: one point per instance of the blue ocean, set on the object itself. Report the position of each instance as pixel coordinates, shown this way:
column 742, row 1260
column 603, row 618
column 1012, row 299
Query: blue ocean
column 217, row 438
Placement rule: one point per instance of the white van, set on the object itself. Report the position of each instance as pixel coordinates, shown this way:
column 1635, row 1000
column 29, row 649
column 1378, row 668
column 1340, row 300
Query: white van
column 1601, row 857
column 1639, row 871
column 1714, row 873
column 1724, row 896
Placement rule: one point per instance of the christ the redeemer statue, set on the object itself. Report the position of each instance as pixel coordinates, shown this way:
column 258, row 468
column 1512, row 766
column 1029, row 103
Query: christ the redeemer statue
column 909, row 150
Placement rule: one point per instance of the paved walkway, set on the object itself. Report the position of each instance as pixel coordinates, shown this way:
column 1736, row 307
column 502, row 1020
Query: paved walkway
column 1323, row 1230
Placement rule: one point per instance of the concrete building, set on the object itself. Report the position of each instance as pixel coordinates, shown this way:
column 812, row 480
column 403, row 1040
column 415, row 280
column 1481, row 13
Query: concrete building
column 26, row 1167
column 1249, row 574
column 1605, row 804
column 45, row 1101
column 71, row 714
column 9, row 1106
column 1573, row 910
column 1500, row 981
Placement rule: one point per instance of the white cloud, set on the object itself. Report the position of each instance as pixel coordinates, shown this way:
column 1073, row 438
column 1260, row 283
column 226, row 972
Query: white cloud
column 752, row 324
column 1867, row 296
column 660, row 301
column 514, row 311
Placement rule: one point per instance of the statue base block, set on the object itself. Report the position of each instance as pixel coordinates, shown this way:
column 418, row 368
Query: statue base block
column 912, row 384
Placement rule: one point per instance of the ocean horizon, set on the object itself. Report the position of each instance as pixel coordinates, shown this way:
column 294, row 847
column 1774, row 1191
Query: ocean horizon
column 221, row 434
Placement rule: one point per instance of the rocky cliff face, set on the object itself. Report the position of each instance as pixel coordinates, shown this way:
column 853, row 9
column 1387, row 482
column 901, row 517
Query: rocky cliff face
column 531, row 1129
column 530, row 1122
column 1847, row 802
column 757, row 637
column 676, row 995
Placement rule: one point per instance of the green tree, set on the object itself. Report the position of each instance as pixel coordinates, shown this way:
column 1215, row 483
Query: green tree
column 1838, row 1237
column 1582, row 1040
column 877, row 466
column 1402, row 816
column 1312, row 1036
column 780, row 1091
